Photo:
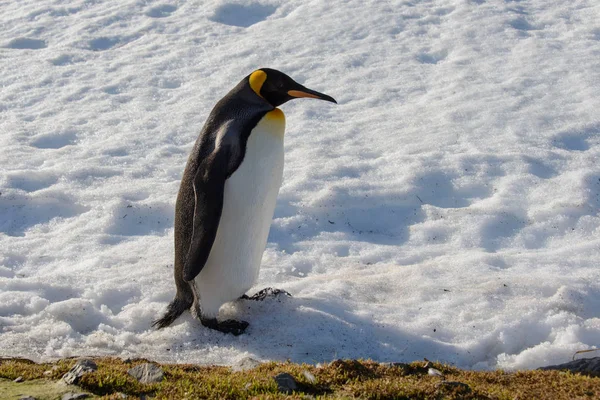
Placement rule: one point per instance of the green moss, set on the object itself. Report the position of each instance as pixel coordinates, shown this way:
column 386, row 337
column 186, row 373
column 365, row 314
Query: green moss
column 41, row 389
column 339, row 379
column 13, row 368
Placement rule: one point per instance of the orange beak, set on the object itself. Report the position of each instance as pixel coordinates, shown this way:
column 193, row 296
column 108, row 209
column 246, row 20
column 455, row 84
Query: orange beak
column 312, row 94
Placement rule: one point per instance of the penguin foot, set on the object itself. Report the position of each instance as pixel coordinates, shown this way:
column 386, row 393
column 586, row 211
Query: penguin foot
column 232, row 326
column 266, row 292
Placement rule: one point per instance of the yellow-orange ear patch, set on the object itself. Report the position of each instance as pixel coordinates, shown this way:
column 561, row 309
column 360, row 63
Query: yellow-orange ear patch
column 257, row 79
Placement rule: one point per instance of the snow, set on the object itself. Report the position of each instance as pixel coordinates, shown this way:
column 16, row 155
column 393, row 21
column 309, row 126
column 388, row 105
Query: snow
column 447, row 208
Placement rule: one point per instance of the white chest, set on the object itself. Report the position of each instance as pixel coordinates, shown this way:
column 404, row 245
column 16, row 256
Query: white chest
column 248, row 204
column 258, row 178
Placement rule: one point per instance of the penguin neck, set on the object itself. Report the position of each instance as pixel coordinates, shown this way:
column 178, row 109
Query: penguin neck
column 274, row 123
column 248, row 95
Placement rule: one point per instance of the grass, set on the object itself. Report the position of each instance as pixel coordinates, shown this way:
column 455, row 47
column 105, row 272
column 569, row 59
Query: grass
column 340, row 379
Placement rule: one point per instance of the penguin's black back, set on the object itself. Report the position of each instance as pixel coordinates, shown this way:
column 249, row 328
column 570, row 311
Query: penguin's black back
column 240, row 110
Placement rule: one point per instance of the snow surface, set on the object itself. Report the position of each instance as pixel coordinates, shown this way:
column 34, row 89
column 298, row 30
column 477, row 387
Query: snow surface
column 447, row 208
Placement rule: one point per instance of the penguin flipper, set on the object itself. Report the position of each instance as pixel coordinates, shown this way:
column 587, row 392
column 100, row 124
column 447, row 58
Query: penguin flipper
column 174, row 310
column 209, row 185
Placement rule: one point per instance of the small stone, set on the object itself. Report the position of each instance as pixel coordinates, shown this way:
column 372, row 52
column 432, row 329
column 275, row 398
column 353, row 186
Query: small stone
column 19, row 379
column 78, row 370
column 27, row 398
column 309, row 377
column 286, row 383
column 434, row 372
column 74, row 396
column 245, row 364
column 120, row 395
column 147, row 373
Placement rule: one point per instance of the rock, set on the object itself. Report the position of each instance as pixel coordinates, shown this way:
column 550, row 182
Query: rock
column 19, row 379
column 584, row 366
column 27, row 398
column 434, row 372
column 80, row 368
column 286, row 383
column 309, row 377
column 245, row 364
column 74, row 396
column 147, row 373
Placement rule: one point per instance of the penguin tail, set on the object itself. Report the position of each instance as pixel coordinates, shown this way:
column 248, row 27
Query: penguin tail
column 174, row 310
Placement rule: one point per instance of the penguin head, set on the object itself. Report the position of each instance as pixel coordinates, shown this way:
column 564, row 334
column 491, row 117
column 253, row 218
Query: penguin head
column 277, row 88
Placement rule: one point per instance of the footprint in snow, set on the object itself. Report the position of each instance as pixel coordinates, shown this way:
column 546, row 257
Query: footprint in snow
column 498, row 229
column 65, row 59
column 55, row 141
column 539, row 168
column 31, row 181
column 166, row 83
column 522, row 24
column 112, row 89
column 444, row 11
column 103, row 43
column 26, row 43
column 107, row 43
column 161, row 11
column 242, row 15
column 432, row 58
column 574, row 141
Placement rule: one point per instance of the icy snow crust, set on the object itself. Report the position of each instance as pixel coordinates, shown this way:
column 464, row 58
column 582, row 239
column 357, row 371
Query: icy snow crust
column 447, row 208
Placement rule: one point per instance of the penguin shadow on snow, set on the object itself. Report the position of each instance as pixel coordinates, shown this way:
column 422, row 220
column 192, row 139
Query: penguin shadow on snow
column 316, row 330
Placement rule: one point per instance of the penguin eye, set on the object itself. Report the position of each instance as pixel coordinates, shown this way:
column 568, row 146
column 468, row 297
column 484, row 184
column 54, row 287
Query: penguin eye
column 276, row 86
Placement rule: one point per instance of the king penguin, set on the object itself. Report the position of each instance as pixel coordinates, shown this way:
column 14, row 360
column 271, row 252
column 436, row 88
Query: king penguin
column 227, row 198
